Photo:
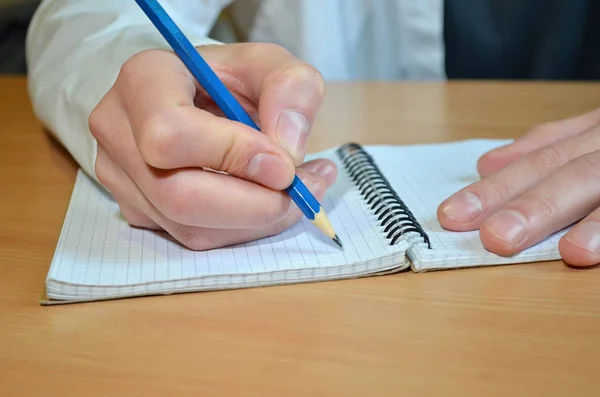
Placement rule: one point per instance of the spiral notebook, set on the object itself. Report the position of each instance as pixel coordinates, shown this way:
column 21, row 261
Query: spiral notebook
column 383, row 206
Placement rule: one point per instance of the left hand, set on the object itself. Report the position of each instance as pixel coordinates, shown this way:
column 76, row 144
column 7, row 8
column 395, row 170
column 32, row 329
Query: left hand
column 541, row 183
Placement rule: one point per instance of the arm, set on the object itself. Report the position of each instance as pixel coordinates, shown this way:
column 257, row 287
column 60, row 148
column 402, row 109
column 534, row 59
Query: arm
column 75, row 49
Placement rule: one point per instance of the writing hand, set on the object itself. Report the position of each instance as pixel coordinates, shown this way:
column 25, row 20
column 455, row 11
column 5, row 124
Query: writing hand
column 158, row 132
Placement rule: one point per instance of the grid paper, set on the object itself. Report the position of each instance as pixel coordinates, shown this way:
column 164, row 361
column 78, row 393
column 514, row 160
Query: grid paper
column 424, row 176
column 99, row 254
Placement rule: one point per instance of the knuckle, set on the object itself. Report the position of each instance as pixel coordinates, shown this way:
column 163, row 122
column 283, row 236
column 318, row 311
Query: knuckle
column 314, row 75
column 138, row 69
column 536, row 208
column 103, row 171
column 187, row 237
column 193, row 238
column 130, row 68
column 177, row 200
column 492, row 190
column 104, row 177
column 259, row 50
column 588, row 167
column 97, row 121
column 132, row 217
column 544, row 128
column 304, row 75
column 157, row 139
column 94, row 123
column 547, row 159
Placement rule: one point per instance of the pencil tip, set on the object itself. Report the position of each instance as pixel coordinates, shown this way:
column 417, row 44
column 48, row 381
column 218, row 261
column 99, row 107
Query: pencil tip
column 337, row 240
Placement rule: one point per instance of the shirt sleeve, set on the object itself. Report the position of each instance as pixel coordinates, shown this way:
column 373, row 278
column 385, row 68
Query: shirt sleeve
column 75, row 49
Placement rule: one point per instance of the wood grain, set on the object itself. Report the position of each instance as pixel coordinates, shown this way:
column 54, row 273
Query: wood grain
column 524, row 330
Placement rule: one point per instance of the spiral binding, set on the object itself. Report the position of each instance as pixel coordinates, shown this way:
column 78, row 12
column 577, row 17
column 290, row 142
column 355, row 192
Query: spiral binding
column 392, row 213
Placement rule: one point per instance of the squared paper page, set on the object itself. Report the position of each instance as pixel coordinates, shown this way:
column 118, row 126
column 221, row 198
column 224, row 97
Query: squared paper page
column 98, row 248
column 424, row 176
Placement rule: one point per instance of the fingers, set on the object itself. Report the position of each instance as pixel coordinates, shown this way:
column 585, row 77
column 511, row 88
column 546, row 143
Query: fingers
column 318, row 175
column 561, row 199
column 204, row 238
column 136, row 218
column 190, row 137
column 131, row 201
column 152, row 80
column 543, row 135
column 157, row 150
column 207, row 199
column 324, row 170
column 580, row 246
column 466, row 209
column 199, row 198
column 289, row 92
column 170, row 132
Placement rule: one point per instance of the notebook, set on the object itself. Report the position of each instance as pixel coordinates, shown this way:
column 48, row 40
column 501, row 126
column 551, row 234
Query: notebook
column 383, row 206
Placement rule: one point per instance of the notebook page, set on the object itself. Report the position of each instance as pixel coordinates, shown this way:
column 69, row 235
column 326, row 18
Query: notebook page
column 98, row 248
column 424, row 176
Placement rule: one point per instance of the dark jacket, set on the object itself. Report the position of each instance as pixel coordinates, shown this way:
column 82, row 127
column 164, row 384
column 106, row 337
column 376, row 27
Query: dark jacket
column 522, row 39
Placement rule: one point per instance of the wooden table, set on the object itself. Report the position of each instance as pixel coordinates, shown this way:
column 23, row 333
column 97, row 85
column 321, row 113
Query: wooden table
column 521, row 330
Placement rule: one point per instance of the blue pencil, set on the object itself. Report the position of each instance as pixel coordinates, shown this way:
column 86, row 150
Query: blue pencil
column 299, row 193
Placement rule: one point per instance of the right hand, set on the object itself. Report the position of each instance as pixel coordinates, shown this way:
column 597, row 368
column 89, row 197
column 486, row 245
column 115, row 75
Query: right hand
column 158, row 131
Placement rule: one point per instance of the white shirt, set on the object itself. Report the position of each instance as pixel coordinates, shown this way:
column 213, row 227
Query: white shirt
column 75, row 47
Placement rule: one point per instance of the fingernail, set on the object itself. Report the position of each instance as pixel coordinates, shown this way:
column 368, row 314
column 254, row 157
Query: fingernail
column 322, row 169
column 463, row 207
column 325, row 170
column 508, row 226
column 311, row 184
column 586, row 235
column 292, row 131
column 264, row 164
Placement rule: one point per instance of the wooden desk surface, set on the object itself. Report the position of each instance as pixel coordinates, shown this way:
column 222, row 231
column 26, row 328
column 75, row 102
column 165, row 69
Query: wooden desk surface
column 521, row 330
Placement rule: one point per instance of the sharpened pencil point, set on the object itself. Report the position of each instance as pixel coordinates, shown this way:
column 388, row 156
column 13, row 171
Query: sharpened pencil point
column 322, row 222
column 337, row 240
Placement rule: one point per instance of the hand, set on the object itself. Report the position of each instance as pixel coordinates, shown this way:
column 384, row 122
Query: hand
column 539, row 184
column 161, row 139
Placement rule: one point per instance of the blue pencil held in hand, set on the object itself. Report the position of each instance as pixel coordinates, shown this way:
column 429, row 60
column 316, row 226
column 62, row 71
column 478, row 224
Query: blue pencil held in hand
column 207, row 78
